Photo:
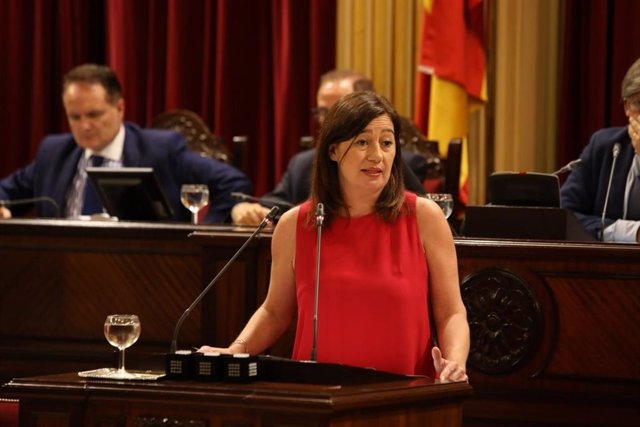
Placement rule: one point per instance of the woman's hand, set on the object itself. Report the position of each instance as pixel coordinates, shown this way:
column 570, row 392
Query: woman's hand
column 448, row 370
column 207, row 349
column 238, row 346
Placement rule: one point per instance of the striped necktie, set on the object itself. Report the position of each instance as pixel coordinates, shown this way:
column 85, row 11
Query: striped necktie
column 92, row 204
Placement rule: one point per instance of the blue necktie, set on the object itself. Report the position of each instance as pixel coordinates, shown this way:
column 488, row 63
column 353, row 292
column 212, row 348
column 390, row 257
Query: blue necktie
column 92, row 202
column 633, row 204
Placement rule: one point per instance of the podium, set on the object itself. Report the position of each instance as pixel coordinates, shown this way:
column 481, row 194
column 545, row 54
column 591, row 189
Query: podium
column 521, row 222
column 69, row 400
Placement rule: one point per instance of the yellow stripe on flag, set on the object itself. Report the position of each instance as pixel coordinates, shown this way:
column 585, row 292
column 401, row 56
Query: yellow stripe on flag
column 449, row 110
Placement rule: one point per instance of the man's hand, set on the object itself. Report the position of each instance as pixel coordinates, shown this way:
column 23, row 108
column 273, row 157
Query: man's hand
column 245, row 213
column 634, row 131
column 5, row 213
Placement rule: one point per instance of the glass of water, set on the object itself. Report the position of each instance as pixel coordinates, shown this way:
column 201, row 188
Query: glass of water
column 444, row 200
column 121, row 331
column 194, row 197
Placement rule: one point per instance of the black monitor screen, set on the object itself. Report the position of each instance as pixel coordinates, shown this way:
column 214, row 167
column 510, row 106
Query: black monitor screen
column 130, row 193
column 524, row 189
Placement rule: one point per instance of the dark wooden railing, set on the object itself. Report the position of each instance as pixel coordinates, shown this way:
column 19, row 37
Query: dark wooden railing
column 554, row 324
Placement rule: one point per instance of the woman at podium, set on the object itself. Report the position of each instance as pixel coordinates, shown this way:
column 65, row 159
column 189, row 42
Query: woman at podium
column 365, row 263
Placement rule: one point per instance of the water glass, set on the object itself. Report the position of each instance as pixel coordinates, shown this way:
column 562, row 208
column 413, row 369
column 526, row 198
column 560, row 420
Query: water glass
column 122, row 331
column 194, row 197
column 444, row 200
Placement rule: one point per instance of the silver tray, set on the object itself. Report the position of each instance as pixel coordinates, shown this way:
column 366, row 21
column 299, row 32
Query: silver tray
column 113, row 374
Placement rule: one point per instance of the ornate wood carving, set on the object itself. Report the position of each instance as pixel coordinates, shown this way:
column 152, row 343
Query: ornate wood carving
column 504, row 318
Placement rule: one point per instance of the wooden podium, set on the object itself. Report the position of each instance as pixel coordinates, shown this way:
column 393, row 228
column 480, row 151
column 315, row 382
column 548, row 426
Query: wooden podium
column 69, row 400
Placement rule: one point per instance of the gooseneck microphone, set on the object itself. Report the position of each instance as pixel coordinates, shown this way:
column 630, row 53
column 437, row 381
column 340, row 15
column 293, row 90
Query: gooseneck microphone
column 568, row 167
column 267, row 219
column 265, row 201
column 8, row 203
column 616, row 152
column 319, row 221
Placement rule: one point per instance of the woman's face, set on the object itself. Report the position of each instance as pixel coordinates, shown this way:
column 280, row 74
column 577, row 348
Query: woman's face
column 365, row 162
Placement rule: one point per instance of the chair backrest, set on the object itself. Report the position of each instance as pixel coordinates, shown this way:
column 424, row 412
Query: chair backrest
column 412, row 140
column 306, row 142
column 453, row 165
column 196, row 132
column 240, row 153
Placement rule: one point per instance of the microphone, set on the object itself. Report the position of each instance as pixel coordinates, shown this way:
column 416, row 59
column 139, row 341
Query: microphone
column 319, row 221
column 265, row 201
column 267, row 219
column 568, row 167
column 8, row 203
column 616, row 152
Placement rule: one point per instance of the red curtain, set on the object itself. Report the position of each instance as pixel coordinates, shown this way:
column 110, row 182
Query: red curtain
column 247, row 67
column 39, row 41
column 600, row 43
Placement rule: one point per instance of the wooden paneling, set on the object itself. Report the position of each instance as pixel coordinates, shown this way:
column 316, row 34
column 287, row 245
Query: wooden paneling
column 554, row 324
column 60, row 279
column 554, row 341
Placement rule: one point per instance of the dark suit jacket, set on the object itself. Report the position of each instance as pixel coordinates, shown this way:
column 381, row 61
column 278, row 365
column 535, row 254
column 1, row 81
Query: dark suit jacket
column 585, row 189
column 295, row 185
column 53, row 170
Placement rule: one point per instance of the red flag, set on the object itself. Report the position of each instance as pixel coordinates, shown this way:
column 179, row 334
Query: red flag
column 453, row 78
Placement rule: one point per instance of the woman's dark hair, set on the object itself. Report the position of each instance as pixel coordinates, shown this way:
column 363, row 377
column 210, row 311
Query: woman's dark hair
column 348, row 117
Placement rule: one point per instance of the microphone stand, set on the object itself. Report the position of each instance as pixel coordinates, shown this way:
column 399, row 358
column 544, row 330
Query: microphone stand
column 616, row 152
column 568, row 167
column 268, row 219
column 8, row 203
column 319, row 221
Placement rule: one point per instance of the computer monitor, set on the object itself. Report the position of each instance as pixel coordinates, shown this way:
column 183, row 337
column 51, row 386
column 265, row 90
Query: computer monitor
column 130, row 193
column 524, row 189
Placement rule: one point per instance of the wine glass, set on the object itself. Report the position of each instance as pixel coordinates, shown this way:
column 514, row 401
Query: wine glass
column 444, row 200
column 122, row 331
column 194, row 197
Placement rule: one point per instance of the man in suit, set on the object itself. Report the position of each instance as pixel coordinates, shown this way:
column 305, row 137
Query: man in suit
column 585, row 190
column 95, row 110
column 295, row 184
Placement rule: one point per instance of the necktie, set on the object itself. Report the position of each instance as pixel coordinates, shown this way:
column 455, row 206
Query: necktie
column 633, row 204
column 92, row 202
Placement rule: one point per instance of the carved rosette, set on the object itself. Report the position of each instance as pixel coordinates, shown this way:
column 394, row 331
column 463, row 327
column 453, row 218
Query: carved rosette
column 504, row 318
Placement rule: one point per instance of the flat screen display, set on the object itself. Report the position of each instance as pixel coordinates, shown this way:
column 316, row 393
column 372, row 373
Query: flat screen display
column 524, row 189
column 132, row 194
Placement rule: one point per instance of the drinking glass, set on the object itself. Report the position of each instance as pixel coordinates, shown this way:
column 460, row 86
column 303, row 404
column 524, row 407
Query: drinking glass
column 122, row 330
column 194, row 197
column 444, row 200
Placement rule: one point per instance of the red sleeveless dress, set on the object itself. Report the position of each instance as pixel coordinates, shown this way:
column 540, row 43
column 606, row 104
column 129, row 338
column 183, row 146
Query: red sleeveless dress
column 372, row 306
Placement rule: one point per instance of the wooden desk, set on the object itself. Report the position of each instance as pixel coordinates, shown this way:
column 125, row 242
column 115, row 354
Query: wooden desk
column 554, row 332
column 59, row 279
column 67, row 400
column 555, row 325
